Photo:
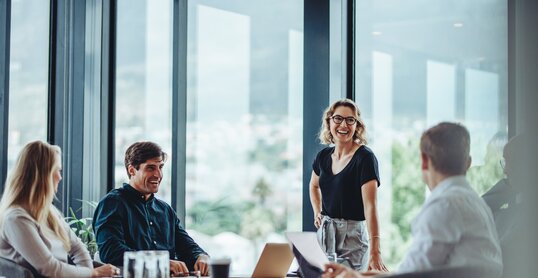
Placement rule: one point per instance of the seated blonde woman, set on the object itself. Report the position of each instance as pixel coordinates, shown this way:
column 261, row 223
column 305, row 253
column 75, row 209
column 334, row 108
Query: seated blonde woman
column 32, row 231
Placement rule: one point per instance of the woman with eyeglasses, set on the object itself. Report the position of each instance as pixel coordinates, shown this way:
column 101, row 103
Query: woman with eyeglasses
column 32, row 231
column 343, row 189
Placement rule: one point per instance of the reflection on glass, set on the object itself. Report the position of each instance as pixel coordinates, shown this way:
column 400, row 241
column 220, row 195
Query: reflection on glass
column 441, row 93
column 28, row 74
column 481, row 109
column 143, row 81
column 244, row 128
column 416, row 67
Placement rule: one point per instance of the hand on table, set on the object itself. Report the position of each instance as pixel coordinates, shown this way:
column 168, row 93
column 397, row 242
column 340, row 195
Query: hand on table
column 178, row 268
column 106, row 270
column 202, row 264
column 335, row 270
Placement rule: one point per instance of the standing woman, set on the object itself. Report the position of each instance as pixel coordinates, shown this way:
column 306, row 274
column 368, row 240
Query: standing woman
column 343, row 189
column 32, row 231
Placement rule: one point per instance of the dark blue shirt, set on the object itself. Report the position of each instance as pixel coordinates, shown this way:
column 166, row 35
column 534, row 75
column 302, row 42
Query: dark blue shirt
column 124, row 221
column 341, row 194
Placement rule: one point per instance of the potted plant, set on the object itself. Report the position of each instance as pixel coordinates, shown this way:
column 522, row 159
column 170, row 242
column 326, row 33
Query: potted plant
column 83, row 228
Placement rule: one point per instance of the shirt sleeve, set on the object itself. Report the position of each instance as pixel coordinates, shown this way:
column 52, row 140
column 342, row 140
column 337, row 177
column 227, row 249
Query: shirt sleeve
column 369, row 169
column 109, row 234
column 316, row 165
column 22, row 234
column 79, row 253
column 186, row 249
column 435, row 233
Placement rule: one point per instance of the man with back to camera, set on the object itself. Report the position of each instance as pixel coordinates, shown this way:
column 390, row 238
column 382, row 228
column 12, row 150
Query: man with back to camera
column 130, row 218
column 455, row 227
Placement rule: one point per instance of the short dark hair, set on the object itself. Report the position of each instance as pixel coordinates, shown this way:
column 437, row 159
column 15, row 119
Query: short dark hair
column 448, row 146
column 140, row 152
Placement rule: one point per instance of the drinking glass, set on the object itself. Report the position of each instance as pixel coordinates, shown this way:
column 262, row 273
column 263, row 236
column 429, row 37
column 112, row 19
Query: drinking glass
column 146, row 264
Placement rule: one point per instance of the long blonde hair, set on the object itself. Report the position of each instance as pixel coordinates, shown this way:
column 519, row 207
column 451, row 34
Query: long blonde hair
column 325, row 135
column 31, row 187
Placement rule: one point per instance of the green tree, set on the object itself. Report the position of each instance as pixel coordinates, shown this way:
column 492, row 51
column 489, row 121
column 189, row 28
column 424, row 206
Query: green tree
column 262, row 190
column 257, row 222
column 216, row 217
column 259, row 219
column 483, row 177
column 408, row 193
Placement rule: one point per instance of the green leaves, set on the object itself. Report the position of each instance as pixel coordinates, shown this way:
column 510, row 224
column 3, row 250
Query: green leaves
column 83, row 228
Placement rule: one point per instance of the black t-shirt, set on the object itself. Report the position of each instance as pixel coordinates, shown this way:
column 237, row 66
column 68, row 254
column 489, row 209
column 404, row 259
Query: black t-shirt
column 341, row 193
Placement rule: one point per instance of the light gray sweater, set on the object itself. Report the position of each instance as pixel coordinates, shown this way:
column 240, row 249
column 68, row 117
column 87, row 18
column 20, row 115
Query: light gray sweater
column 28, row 243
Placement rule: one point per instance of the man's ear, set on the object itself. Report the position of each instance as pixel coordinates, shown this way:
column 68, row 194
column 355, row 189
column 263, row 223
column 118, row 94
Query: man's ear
column 132, row 170
column 469, row 160
column 424, row 161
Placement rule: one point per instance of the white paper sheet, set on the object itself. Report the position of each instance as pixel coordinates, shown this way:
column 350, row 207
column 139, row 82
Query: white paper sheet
column 307, row 244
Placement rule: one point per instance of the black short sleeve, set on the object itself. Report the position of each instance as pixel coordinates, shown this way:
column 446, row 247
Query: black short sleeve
column 320, row 159
column 315, row 165
column 369, row 169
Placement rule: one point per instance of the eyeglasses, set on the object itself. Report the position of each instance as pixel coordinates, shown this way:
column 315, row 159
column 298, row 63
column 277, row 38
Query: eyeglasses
column 339, row 119
column 502, row 162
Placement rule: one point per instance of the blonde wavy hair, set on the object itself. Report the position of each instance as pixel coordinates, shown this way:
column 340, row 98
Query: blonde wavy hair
column 325, row 135
column 31, row 187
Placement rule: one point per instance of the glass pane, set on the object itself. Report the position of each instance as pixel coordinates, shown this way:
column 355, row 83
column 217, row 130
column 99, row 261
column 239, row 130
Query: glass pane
column 92, row 175
column 143, row 81
column 244, row 127
column 28, row 74
column 419, row 63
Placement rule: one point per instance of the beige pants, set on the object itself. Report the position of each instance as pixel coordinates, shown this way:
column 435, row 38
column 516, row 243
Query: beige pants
column 347, row 238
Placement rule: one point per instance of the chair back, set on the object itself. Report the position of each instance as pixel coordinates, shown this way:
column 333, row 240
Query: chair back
column 9, row 268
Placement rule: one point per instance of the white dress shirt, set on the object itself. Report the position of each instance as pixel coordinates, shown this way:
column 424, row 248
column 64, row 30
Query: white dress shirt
column 454, row 228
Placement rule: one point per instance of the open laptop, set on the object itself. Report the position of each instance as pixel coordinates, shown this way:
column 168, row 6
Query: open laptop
column 274, row 262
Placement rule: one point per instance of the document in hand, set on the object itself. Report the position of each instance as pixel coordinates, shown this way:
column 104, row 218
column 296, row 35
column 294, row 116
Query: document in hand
column 308, row 253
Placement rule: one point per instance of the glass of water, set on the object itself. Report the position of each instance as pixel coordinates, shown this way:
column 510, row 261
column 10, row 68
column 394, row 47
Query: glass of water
column 145, row 264
column 332, row 257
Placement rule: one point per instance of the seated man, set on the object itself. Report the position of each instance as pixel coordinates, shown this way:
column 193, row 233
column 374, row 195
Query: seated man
column 131, row 218
column 455, row 227
column 505, row 199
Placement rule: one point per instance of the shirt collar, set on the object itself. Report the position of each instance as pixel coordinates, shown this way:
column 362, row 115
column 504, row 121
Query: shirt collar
column 447, row 183
column 135, row 194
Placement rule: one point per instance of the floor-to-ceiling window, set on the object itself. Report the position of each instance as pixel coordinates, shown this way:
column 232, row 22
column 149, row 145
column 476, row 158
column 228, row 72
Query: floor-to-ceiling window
column 93, row 105
column 28, row 74
column 143, row 81
column 418, row 63
column 244, row 125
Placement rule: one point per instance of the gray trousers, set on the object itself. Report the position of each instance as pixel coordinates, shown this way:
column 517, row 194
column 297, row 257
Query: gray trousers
column 347, row 238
